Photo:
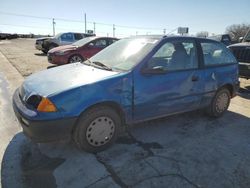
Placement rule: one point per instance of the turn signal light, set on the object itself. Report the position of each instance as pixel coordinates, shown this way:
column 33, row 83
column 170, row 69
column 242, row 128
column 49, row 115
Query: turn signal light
column 46, row 106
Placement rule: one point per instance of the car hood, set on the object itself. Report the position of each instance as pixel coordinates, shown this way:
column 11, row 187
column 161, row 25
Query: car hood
column 59, row 79
column 44, row 38
column 243, row 44
column 63, row 48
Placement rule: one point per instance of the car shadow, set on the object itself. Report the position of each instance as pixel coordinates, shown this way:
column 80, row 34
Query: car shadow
column 40, row 54
column 186, row 143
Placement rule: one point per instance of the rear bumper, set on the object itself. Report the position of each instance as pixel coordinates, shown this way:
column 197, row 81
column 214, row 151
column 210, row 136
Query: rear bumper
column 41, row 130
column 235, row 89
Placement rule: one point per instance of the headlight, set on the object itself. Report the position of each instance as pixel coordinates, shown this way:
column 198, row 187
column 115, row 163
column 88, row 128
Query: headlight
column 46, row 105
column 42, row 104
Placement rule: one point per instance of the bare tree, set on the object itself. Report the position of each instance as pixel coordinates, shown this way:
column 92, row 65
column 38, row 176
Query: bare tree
column 203, row 34
column 237, row 30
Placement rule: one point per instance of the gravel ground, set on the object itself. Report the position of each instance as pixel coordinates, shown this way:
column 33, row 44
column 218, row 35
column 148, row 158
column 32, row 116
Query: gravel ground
column 23, row 56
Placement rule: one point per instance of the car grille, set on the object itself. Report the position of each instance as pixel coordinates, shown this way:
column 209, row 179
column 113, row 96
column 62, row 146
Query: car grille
column 242, row 54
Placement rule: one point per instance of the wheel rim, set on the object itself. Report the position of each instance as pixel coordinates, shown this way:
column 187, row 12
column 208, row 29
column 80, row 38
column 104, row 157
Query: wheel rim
column 100, row 131
column 222, row 102
column 75, row 59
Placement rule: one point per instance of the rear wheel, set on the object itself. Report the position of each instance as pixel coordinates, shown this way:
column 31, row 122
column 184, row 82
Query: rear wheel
column 97, row 129
column 75, row 59
column 219, row 103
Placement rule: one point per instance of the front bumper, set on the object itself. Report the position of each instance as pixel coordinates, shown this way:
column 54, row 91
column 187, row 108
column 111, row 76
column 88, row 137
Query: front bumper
column 39, row 47
column 244, row 70
column 57, row 60
column 41, row 130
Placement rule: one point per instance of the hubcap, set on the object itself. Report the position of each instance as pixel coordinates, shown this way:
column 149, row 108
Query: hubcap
column 221, row 102
column 75, row 59
column 100, row 131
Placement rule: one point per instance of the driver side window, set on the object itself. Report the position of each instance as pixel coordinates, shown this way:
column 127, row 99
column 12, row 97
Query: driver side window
column 175, row 55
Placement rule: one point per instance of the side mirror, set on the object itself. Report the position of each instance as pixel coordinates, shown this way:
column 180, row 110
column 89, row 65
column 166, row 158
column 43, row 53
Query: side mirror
column 154, row 70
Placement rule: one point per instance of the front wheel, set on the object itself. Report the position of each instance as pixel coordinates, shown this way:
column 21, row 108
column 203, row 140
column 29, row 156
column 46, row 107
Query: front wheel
column 219, row 103
column 97, row 129
column 75, row 59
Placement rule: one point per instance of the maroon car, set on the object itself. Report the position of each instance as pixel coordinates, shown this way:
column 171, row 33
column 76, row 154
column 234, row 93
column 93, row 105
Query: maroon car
column 79, row 51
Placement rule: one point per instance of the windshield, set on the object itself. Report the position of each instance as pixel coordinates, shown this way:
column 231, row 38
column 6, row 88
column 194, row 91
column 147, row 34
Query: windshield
column 83, row 41
column 125, row 53
column 58, row 35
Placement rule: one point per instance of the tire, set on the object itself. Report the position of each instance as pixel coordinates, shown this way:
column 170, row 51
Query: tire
column 44, row 51
column 75, row 58
column 97, row 129
column 220, row 103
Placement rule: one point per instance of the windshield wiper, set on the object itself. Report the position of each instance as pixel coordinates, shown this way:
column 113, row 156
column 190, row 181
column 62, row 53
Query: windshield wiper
column 89, row 62
column 99, row 64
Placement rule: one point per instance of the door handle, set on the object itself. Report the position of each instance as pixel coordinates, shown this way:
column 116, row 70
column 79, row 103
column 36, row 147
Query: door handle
column 195, row 78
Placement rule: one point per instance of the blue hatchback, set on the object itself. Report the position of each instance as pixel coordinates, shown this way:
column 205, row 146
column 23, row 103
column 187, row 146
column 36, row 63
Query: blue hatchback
column 135, row 79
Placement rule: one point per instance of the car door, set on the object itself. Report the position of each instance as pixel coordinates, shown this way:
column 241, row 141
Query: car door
column 169, row 82
column 66, row 38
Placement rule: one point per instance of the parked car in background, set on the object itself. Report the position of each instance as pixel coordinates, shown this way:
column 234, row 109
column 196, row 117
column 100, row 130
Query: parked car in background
column 79, row 51
column 224, row 38
column 133, row 80
column 4, row 36
column 242, row 53
column 46, row 43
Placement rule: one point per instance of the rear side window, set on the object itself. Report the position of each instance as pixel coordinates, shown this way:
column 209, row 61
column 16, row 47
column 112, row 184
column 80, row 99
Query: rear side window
column 78, row 36
column 67, row 37
column 216, row 54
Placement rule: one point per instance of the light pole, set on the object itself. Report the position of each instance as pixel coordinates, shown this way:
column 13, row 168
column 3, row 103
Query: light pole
column 85, row 21
column 113, row 30
column 53, row 23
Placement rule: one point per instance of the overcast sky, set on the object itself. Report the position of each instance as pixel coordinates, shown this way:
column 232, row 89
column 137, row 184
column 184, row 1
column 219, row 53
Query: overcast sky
column 129, row 16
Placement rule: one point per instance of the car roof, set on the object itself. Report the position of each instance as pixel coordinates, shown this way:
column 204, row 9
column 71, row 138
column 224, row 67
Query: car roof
column 161, row 37
column 96, row 37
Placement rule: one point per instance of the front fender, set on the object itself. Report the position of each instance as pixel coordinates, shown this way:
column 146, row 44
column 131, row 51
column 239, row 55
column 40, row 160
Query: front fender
column 73, row 102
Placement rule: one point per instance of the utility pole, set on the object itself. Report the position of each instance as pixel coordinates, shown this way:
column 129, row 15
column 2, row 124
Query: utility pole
column 94, row 27
column 113, row 30
column 164, row 31
column 85, row 21
column 53, row 23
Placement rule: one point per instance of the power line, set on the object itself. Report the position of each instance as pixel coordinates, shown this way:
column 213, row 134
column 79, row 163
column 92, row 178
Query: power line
column 25, row 26
column 41, row 17
column 81, row 21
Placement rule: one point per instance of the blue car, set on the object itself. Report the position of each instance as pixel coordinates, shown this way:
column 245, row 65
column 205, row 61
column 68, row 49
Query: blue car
column 133, row 80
